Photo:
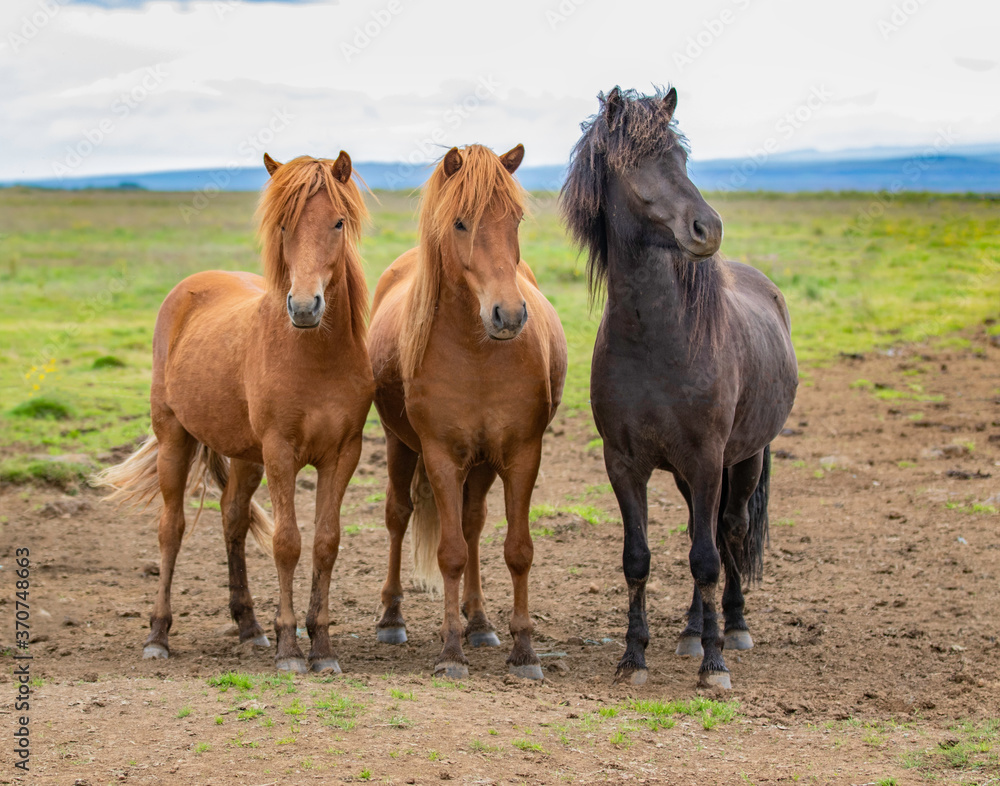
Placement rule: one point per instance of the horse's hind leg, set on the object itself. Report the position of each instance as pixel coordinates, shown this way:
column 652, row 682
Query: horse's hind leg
column 244, row 480
column 689, row 643
column 391, row 628
column 479, row 631
column 173, row 461
column 735, row 521
column 629, row 484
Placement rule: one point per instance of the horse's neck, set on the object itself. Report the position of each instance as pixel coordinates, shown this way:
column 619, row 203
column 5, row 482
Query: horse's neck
column 643, row 287
column 457, row 313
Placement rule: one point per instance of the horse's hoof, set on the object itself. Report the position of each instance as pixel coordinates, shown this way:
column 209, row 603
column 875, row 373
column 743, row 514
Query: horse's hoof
column 391, row 635
column 261, row 641
column 326, row 664
column 452, row 670
column 486, row 638
column 632, row 675
column 639, row 676
column 715, row 679
column 739, row 640
column 690, row 647
column 294, row 665
column 155, row 652
column 529, row 671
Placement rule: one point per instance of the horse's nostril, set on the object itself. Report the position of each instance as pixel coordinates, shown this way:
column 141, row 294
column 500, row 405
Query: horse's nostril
column 524, row 312
column 698, row 231
column 317, row 304
column 497, row 319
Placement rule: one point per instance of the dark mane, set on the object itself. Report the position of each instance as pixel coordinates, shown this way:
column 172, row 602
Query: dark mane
column 627, row 129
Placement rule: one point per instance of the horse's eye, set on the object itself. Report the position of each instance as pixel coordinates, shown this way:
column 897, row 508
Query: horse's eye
column 459, row 225
column 339, row 224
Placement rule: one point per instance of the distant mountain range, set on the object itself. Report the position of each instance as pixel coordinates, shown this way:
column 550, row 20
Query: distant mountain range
column 974, row 168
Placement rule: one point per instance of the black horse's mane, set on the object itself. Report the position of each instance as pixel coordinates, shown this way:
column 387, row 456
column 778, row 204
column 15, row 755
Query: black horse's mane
column 628, row 128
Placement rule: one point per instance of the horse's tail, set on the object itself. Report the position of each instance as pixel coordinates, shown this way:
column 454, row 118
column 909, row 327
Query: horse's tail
column 426, row 528
column 211, row 465
column 752, row 558
column 135, row 483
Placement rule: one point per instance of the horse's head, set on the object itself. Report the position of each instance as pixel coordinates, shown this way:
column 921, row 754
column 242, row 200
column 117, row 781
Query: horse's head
column 311, row 215
column 477, row 219
column 656, row 187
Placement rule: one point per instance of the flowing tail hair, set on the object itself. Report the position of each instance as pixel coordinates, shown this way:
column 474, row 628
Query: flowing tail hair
column 750, row 559
column 426, row 528
column 134, row 483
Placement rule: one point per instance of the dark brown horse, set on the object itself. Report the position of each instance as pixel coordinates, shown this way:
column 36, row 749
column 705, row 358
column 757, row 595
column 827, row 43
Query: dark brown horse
column 274, row 374
column 693, row 370
column 469, row 361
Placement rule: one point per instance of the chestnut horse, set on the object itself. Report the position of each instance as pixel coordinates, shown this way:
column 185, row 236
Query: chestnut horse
column 274, row 374
column 693, row 371
column 469, row 361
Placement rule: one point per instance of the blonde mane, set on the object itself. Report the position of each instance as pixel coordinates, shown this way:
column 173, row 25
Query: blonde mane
column 480, row 183
column 281, row 204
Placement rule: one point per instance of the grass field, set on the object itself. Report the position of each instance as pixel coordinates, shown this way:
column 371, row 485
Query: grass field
column 82, row 275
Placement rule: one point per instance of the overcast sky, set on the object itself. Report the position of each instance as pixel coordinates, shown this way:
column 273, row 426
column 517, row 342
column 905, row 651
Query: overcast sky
column 114, row 86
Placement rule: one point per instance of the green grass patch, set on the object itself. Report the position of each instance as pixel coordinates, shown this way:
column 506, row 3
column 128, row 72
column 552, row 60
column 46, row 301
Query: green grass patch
column 232, row 679
column 108, row 361
column 528, row 746
column 663, row 714
column 970, row 749
column 43, row 408
column 338, row 711
column 23, row 469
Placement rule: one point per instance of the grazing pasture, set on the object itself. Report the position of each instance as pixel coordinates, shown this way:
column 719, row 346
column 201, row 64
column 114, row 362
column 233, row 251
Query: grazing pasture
column 877, row 657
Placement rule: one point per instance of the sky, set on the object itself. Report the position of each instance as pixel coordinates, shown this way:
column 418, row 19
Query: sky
column 118, row 86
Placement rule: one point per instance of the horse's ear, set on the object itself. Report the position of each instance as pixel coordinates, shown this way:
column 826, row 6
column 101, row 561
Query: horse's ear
column 670, row 102
column 342, row 167
column 511, row 160
column 613, row 105
column 452, row 162
column 270, row 164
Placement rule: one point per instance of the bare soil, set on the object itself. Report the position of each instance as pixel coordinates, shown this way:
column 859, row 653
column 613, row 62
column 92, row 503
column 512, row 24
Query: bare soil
column 876, row 624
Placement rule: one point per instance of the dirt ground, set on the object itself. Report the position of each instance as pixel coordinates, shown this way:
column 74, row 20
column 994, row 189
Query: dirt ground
column 876, row 631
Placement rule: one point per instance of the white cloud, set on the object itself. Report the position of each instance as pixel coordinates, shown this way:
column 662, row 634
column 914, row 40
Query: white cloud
column 395, row 79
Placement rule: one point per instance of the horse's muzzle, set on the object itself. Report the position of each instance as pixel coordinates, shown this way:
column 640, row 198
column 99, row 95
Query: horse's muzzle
column 308, row 314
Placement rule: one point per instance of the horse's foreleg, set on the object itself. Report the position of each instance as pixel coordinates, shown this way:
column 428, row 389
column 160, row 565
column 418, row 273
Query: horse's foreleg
column 743, row 479
column 480, row 631
column 518, row 551
column 447, row 481
column 279, row 462
column 629, row 483
column 244, row 480
column 332, row 479
column 173, row 460
column 402, row 462
column 706, row 565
